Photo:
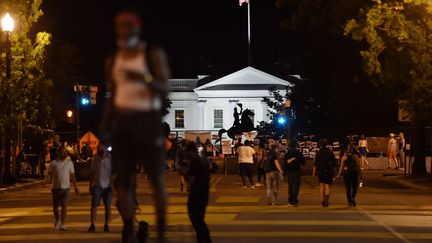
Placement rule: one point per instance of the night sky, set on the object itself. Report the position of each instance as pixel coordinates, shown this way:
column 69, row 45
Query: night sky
column 200, row 37
column 210, row 37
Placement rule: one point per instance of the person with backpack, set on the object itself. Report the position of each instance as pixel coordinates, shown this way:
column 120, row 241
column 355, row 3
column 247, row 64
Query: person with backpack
column 274, row 173
column 294, row 160
column 137, row 83
column 352, row 174
column 196, row 170
column 324, row 168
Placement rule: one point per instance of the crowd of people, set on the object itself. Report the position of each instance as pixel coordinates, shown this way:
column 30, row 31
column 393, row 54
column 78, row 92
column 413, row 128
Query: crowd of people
column 137, row 75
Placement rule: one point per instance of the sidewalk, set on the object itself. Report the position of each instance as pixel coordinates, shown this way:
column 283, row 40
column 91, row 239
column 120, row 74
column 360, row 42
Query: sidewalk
column 25, row 183
column 423, row 183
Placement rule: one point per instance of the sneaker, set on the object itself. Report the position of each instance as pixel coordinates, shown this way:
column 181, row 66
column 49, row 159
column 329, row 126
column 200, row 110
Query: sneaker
column 388, row 168
column 295, row 205
column 244, row 187
column 259, row 185
column 57, row 225
column 91, row 228
column 252, row 187
column 106, row 228
column 63, row 227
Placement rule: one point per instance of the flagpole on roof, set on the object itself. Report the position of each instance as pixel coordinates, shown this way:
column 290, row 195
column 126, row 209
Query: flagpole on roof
column 249, row 34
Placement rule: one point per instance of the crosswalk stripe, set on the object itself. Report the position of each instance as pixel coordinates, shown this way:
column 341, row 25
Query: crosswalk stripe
column 148, row 209
column 221, row 234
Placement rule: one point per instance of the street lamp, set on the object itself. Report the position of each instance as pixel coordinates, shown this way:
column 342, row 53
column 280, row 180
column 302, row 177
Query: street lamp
column 8, row 26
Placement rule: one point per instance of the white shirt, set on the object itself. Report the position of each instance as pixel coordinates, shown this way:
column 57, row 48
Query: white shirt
column 101, row 168
column 363, row 143
column 245, row 154
column 133, row 94
column 60, row 171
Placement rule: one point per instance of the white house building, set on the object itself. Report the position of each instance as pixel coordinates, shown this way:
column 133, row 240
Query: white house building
column 207, row 103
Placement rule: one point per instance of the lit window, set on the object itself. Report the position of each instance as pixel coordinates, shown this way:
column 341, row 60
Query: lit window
column 218, row 118
column 179, row 119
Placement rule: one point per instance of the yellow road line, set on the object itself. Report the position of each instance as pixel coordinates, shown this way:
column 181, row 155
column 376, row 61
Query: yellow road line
column 224, row 199
column 214, row 183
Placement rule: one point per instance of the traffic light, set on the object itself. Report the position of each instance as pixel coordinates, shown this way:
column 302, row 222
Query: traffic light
column 93, row 90
column 70, row 116
column 281, row 120
column 85, row 101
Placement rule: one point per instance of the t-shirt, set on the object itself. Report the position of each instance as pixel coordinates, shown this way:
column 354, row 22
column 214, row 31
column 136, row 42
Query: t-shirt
column 363, row 143
column 270, row 164
column 245, row 154
column 294, row 160
column 61, row 171
column 101, row 168
column 325, row 161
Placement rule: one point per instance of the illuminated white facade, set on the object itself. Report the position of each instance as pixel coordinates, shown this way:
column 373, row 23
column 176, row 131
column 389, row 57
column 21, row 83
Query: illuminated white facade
column 207, row 104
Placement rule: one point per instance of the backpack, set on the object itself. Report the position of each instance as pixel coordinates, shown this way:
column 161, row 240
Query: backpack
column 351, row 163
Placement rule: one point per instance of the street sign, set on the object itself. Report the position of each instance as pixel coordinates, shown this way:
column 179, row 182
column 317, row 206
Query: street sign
column 404, row 115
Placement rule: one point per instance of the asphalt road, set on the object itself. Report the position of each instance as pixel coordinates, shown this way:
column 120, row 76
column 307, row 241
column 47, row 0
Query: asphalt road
column 387, row 212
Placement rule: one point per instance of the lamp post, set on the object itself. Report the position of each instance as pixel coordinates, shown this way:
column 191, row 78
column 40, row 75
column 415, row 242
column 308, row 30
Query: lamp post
column 7, row 24
column 287, row 106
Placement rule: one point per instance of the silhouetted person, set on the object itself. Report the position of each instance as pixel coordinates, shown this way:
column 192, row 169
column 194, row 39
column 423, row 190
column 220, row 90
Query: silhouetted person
column 137, row 75
column 294, row 160
column 352, row 173
column 196, row 170
column 324, row 168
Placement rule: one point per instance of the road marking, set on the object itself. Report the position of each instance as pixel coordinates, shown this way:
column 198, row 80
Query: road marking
column 390, row 229
column 213, row 185
column 224, row 199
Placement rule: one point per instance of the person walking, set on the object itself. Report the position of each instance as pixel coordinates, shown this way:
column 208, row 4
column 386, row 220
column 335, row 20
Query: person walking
column 60, row 173
column 401, row 148
column 324, row 168
column 294, row 160
column 179, row 158
column 363, row 149
column 274, row 173
column 261, row 158
column 100, row 186
column 245, row 158
column 196, row 170
column 209, row 148
column 392, row 150
column 137, row 76
column 352, row 174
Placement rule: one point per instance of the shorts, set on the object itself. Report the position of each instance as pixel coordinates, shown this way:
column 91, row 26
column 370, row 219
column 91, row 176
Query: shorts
column 363, row 151
column 325, row 178
column 245, row 169
column 104, row 193
column 60, row 197
column 392, row 154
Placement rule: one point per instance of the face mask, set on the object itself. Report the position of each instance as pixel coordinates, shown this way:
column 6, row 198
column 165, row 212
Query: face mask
column 130, row 43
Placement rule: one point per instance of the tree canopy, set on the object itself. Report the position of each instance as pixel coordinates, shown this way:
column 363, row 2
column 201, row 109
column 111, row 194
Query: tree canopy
column 25, row 93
